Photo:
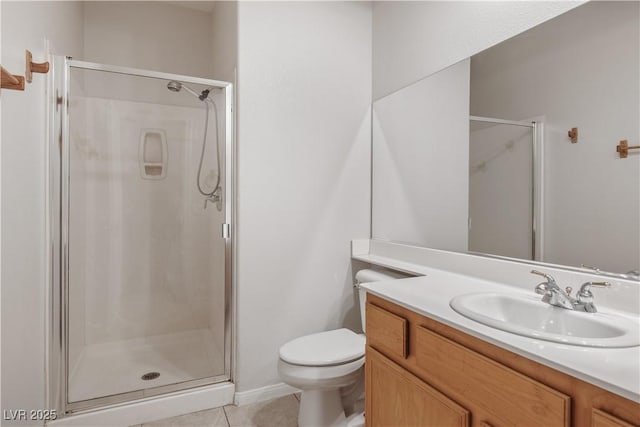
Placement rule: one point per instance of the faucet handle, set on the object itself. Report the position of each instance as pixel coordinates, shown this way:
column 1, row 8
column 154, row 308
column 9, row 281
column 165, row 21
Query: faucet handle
column 546, row 276
column 585, row 295
column 568, row 290
column 587, row 285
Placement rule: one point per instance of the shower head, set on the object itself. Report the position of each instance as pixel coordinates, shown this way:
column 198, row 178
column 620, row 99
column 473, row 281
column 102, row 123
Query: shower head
column 175, row 86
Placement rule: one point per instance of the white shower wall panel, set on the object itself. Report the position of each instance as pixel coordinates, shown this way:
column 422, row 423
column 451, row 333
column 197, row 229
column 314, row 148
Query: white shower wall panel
column 142, row 251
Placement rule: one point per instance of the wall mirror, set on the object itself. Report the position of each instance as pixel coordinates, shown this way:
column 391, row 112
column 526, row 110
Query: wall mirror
column 479, row 157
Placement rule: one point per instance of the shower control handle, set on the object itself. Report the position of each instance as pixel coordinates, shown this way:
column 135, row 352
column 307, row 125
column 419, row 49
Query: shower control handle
column 214, row 198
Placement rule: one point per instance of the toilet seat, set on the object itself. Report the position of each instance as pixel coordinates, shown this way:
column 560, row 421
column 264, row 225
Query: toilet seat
column 330, row 348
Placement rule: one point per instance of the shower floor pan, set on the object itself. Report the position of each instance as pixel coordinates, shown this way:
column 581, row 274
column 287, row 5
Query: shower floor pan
column 118, row 367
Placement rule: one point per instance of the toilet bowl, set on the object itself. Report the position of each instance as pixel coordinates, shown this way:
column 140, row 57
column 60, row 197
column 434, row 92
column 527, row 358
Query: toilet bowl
column 321, row 365
column 329, row 368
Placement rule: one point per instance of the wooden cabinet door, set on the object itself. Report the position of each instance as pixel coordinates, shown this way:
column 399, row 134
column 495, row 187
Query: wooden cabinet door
column 482, row 383
column 387, row 332
column 602, row 419
column 394, row 397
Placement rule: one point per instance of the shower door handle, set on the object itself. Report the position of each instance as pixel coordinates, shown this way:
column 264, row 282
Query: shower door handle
column 226, row 231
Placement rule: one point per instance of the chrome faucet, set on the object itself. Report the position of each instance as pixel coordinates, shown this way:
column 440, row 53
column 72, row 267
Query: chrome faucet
column 552, row 294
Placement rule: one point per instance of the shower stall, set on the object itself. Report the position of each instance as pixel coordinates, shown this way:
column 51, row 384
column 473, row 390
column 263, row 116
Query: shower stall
column 140, row 214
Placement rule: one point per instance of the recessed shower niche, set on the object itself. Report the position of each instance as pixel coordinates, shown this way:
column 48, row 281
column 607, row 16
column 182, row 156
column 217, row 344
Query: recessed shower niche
column 153, row 153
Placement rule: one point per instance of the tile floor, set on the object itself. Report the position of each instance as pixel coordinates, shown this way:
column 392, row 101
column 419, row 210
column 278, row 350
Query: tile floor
column 281, row 412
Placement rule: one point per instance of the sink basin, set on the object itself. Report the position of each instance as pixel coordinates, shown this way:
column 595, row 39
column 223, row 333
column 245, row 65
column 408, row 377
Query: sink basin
column 528, row 316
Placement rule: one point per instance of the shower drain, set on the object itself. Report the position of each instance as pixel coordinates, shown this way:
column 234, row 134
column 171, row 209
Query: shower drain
column 150, row 376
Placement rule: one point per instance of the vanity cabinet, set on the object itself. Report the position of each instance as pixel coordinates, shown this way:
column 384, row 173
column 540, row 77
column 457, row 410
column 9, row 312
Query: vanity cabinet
column 420, row 372
column 412, row 401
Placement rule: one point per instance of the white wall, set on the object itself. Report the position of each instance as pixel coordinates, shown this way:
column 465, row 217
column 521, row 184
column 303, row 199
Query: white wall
column 25, row 25
column 421, row 162
column 148, row 35
column 581, row 69
column 304, row 80
column 224, row 44
column 413, row 39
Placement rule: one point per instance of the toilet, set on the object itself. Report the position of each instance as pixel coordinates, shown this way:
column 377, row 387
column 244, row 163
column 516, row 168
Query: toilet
column 329, row 368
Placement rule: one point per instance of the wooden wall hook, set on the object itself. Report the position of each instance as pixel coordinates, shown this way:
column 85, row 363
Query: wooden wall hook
column 573, row 135
column 34, row 67
column 10, row 81
column 624, row 147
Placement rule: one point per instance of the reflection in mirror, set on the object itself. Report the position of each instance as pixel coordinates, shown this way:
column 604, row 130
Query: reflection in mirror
column 501, row 208
column 420, row 163
column 577, row 70
column 532, row 192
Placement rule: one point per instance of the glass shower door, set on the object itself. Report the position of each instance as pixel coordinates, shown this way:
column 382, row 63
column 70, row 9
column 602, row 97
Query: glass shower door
column 148, row 275
column 501, row 188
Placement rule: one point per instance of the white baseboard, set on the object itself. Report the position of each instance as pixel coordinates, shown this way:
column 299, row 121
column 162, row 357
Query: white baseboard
column 263, row 393
column 153, row 409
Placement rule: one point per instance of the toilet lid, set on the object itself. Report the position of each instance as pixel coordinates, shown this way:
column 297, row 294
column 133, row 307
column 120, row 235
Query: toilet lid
column 325, row 348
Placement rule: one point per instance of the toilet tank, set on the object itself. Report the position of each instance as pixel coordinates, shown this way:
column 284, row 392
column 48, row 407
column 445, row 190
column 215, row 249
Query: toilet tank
column 368, row 276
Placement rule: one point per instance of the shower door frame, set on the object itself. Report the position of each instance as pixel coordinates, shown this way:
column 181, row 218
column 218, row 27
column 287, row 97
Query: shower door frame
column 58, row 203
column 537, row 182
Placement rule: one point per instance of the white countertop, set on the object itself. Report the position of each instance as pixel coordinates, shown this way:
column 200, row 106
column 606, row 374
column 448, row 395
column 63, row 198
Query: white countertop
column 613, row 369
